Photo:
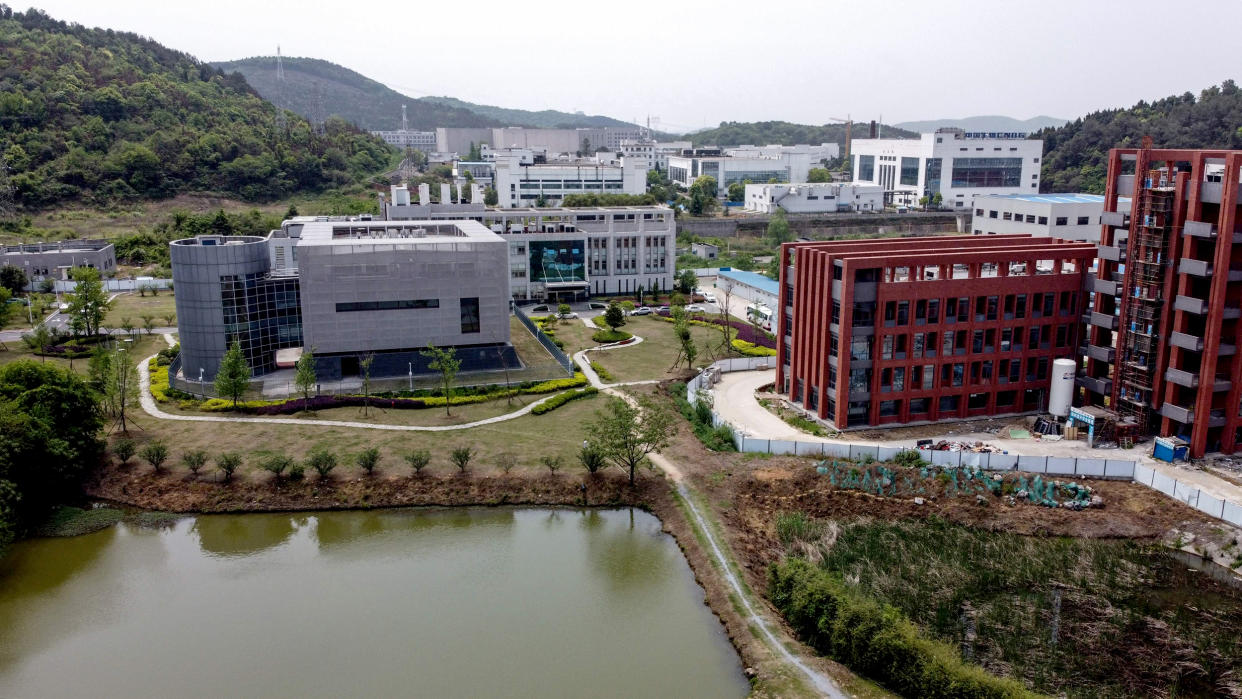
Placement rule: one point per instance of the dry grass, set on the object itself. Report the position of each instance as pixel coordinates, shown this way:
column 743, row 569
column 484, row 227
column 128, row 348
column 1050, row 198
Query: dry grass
column 131, row 305
column 653, row 358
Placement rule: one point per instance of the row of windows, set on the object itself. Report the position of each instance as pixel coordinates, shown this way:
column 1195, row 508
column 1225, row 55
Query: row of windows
column 1041, row 220
column 948, row 343
column 958, row 309
column 398, row 305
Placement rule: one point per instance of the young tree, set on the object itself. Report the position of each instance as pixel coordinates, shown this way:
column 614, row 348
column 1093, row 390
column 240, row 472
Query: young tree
column 818, row 174
column 124, row 449
column 626, row 435
column 194, row 460
column 368, row 459
column 148, row 322
column 726, row 290
column 276, row 464
column 88, row 304
column 614, row 317
column 592, row 459
column 47, row 285
column 446, row 362
column 686, row 281
column 233, row 376
column 737, row 192
column 778, row 229
column 228, row 463
column 562, row 310
column 364, row 366
column 170, row 319
column 686, row 348
column 13, row 278
column 490, row 196
column 936, row 200
column 120, row 387
column 155, row 453
column 552, row 462
column 461, row 457
column 127, row 325
column 418, row 459
column 304, row 378
column 506, row 462
column 39, row 339
column 322, row 461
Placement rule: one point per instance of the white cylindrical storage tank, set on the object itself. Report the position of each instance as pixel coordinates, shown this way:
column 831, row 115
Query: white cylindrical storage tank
column 1061, row 392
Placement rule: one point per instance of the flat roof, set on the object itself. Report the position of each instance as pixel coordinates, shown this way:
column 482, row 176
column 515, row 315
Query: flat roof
column 396, row 232
column 759, row 281
column 1051, row 198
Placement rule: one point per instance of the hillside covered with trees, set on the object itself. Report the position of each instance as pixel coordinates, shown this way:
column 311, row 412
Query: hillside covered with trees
column 1076, row 154
column 762, row 133
column 97, row 116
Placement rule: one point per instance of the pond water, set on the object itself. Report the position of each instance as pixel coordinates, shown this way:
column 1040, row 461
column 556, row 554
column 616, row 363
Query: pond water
column 429, row 603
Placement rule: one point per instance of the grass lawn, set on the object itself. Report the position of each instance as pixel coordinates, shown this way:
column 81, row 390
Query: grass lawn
column 528, row 438
column 144, row 346
column 653, row 357
column 131, row 305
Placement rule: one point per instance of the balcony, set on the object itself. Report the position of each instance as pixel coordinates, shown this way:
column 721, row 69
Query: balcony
column 1115, row 219
column 1102, row 286
column 789, row 274
column 1199, row 229
column 1111, row 253
column 1102, row 320
column 1190, row 304
column 1101, row 386
column 1178, row 413
column 1182, row 378
column 1188, row 342
column 1198, row 268
column 1103, row 354
column 1125, row 185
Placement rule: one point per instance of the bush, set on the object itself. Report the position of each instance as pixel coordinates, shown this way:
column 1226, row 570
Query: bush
column 276, row 464
column 418, row 459
column 194, row 460
column 561, row 399
column 607, row 336
column 604, row 374
column 749, row 349
column 461, row 457
column 552, row 462
column 321, row 461
column 155, row 453
column 367, row 460
column 228, row 463
column 592, row 459
column 506, row 462
column 909, row 458
column 876, row 641
column 124, row 449
column 699, row 415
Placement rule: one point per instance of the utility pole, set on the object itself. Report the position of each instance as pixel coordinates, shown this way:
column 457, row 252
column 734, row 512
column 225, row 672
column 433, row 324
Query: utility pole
column 282, row 124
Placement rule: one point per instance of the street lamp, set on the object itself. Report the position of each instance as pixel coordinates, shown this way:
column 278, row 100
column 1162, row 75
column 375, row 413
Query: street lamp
column 201, row 394
column 411, row 377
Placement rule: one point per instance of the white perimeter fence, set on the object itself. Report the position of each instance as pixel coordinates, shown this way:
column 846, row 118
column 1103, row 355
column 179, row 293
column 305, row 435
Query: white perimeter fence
column 1120, row 469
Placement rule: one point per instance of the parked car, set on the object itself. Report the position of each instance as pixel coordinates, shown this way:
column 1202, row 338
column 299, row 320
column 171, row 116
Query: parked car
column 709, row 297
column 565, row 316
column 695, row 308
column 641, row 311
column 662, row 309
column 597, row 306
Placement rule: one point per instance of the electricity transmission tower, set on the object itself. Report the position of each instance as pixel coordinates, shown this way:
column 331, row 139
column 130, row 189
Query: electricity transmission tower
column 282, row 125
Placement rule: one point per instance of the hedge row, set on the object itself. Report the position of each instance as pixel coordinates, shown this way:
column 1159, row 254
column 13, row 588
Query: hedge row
column 161, row 391
column 876, row 640
column 558, row 400
column 750, row 349
column 743, row 331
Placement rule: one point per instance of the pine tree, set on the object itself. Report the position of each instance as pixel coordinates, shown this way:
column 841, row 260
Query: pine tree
column 233, row 376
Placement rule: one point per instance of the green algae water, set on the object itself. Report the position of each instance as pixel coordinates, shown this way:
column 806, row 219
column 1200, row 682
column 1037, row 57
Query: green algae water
column 415, row 603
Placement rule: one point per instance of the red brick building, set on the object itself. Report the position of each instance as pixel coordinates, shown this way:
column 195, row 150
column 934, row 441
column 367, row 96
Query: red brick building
column 1166, row 322
column 888, row 331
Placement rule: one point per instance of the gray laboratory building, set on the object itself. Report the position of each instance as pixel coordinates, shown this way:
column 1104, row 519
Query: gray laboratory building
column 344, row 289
column 56, row 259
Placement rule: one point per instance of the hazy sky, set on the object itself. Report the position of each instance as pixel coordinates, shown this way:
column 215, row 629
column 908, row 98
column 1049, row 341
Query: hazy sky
column 690, row 63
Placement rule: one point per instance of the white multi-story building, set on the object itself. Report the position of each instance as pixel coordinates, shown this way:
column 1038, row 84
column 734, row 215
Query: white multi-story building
column 652, row 154
column 814, row 197
column 815, row 154
column 1067, row 216
column 559, row 253
column 402, row 138
column 785, row 167
column 519, row 185
column 550, row 140
column 956, row 164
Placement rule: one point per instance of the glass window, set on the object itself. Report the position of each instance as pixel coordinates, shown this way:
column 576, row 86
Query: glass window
column 470, row 315
column 910, row 171
column 1043, row 220
column 557, row 261
column 986, row 172
column 1084, row 220
column 866, row 168
column 931, row 176
column 860, row 347
column 1062, row 220
column 933, row 311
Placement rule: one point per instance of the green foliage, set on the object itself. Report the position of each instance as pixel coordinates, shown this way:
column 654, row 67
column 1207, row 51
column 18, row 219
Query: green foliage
column 12, row 278
column 124, row 449
column 596, row 199
column 699, row 414
column 276, row 464
column 818, row 174
column 490, row 197
column 909, row 458
column 552, row 462
column 418, row 459
column 703, row 196
column 563, row 309
column 367, row 459
column 748, row 349
column 626, row 434
column 778, row 229
column 686, row 281
column 561, row 399
column 606, row 336
column 461, row 456
column 88, row 304
column 233, row 376
column 737, row 192
column 614, row 317
column 1076, row 154
column 797, row 527
column 194, row 460
column 322, row 460
column 154, row 453
column 736, row 133
column 446, row 362
column 592, row 459
column 305, row 378
column 228, row 463
column 603, row 374
column 875, row 640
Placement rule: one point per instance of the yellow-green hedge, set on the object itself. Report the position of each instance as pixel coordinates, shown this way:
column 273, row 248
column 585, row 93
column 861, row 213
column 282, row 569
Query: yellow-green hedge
column 558, row 400
column 159, row 381
column 749, row 349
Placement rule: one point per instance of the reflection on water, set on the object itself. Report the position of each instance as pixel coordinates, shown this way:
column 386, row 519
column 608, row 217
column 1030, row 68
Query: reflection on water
column 456, row 602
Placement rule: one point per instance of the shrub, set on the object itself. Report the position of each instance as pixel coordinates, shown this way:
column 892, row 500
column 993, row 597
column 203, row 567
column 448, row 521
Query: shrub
column 796, row 527
column 322, row 461
column 124, row 449
column 561, row 399
column 461, row 457
column 604, row 374
column 909, row 458
column 607, row 336
column 506, row 462
column 552, row 462
column 418, row 459
column 297, row 471
column 368, row 459
column 555, row 385
column 194, row 460
column 592, row 459
column 750, row 349
column 228, row 463
column 155, row 453
column 276, row 464
column 699, row 415
column 874, row 640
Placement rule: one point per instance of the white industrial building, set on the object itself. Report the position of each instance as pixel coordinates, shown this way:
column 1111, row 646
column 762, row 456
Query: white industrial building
column 816, row 154
column 814, row 197
column 552, row 141
column 651, row 154
column 786, row 167
column 405, row 138
column 1067, row 216
column 959, row 165
column 519, row 185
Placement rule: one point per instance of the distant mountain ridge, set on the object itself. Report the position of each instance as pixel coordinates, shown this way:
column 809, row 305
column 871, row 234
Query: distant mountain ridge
column 374, row 106
column 984, row 123
column 762, row 133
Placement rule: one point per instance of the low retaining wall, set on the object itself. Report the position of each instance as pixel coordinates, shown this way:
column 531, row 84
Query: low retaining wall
column 1084, row 467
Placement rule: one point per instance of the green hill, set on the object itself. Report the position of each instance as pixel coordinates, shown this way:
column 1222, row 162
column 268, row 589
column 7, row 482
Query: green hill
column 347, row 94
column 97, row 116
column 547, row 118
column 983, row 123
column 762, row 133
column 1076, row 154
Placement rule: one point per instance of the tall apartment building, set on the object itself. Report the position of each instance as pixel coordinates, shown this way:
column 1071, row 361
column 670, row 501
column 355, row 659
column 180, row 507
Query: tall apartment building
column 560, row 253
column 877, row 332
column 959, row 165
column 1165, row 322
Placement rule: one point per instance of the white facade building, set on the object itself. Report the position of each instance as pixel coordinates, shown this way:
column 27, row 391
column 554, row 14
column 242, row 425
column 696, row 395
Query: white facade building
column 652, row 154
column 786, row 167
column 1067, row 216
column 519, row 185
column 814, row 198
column 402, row 138
column 957, row 164
column 816, row 154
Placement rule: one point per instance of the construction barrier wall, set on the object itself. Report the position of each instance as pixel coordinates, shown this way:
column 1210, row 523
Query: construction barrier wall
column 1099, row 468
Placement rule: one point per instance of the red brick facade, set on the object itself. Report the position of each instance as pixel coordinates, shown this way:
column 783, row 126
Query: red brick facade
column 886, row 331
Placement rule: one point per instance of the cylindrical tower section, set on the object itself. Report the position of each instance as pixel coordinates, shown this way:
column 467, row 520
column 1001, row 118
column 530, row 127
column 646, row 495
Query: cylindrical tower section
column 1061, row 392
column 210, row 274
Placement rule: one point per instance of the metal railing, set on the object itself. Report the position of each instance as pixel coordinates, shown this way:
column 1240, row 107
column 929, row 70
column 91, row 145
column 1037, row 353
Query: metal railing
column 566, row 363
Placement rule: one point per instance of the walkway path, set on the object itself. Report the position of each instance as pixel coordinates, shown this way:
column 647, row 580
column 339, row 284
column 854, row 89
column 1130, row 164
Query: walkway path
column 735, row 402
